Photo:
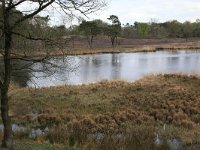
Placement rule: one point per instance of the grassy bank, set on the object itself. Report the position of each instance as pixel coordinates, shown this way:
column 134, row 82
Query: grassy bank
column 124, row 49
column 128, row 46
column 167, row 106
column 135, row 48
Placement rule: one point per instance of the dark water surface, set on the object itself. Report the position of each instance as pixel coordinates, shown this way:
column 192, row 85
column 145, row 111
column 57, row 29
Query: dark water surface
column 123, row 66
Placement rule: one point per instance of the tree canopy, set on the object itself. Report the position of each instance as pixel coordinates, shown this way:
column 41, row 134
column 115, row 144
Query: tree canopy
column 113, row 30
column 90, row 29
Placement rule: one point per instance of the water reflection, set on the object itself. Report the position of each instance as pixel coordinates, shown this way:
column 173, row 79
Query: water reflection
column 21, row 73
column 92, row 68
column 171, row 61
column 116, row 66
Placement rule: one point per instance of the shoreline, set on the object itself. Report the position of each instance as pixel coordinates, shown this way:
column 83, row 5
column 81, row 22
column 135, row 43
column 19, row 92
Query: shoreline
column 119, row 49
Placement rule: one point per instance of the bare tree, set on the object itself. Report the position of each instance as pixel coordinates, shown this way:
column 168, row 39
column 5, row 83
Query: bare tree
column 8, row 27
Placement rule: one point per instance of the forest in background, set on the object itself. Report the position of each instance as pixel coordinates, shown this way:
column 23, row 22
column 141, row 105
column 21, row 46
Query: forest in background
column 36, row 33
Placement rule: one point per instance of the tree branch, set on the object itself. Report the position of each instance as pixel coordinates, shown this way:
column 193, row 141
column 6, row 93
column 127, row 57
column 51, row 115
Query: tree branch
column 84, row 7
column 40, row 8
column 14, row 5
column 30, row 37
column 28, row 58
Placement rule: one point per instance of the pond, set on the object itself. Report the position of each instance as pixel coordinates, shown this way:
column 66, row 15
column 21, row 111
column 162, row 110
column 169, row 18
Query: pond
column 123, row 66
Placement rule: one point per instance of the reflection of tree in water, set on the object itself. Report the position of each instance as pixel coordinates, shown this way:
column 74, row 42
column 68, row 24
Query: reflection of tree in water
column 115, row 60
column 53, row 71
column 173, row 60
column 20, row 75
column 86, row 68
column 116, row 66
column 96, row 61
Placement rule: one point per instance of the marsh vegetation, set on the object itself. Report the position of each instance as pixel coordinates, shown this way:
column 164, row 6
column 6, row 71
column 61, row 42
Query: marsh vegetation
column 112, row 114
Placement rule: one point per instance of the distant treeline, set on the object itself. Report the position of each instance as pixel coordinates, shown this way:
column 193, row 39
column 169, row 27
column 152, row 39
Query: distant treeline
column 36, row 33
column 169, row 29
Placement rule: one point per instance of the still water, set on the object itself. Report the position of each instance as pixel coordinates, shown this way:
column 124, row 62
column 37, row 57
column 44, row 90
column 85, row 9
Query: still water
column 124, row 66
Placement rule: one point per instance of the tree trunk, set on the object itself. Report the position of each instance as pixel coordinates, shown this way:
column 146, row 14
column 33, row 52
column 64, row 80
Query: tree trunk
column 113, row 41
column 89, row 39
column 8, row 136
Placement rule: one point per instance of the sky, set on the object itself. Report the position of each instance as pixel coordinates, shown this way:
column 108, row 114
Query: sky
column 130, row 11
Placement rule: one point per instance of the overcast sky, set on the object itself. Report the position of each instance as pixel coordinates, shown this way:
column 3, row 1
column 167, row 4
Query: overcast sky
column 130, row 11
column 145, row 10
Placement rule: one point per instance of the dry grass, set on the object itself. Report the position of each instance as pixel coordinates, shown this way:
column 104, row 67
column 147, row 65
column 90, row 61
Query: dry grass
column 113, row 107
column 135, row 48
column 123, row 49
column 103, row 45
